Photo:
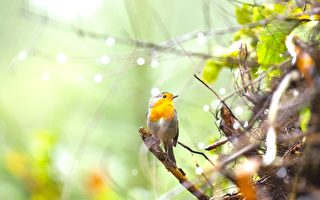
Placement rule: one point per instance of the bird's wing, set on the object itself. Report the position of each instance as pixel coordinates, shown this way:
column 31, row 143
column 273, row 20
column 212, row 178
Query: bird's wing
column 175, row 139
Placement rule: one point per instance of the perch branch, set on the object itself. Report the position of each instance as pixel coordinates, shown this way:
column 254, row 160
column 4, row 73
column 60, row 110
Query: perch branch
column 153, row 146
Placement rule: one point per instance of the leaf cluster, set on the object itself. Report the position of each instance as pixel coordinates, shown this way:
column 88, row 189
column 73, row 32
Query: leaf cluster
column 264, row 29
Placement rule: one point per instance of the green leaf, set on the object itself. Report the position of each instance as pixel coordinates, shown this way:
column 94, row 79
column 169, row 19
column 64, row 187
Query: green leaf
column 271, row 44
column 249, row 13
column 307, row 30
column 257, row 14
column 260, row 13
column 305, row 116
column 211, row 70
column 244, row 14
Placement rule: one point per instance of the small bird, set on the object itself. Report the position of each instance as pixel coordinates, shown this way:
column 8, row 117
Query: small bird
column 162, row 121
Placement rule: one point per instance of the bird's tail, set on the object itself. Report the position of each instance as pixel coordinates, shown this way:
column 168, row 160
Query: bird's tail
column 170, row 153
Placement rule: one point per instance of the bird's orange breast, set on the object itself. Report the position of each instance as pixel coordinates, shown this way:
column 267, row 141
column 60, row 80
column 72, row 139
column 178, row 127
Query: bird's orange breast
column 165, row 111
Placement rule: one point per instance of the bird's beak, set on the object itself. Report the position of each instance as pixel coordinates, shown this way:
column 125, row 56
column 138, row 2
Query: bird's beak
column 175, row 96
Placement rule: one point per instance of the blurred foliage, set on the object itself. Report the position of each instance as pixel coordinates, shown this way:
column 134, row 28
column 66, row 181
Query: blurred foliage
column 211, row 70
column 34, row 167
column 69, row 126
column 265, row 28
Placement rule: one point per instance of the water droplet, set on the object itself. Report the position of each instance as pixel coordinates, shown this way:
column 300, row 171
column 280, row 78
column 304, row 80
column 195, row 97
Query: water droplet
column 201, row 38
column 110, row 41
column 282, row 172
column 155, row 91
column 104, row 59
column 222, row 91
column 22, row 55
column 61, row 58
column 199, row 170
column 140, row 61
column 236, row 125
column 206, row 108
column 98, row 78
column 238, row 110
column 45, row 76
column 201, row 145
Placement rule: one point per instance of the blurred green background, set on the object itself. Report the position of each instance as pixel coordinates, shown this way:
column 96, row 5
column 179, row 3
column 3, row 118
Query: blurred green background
column 75, row 80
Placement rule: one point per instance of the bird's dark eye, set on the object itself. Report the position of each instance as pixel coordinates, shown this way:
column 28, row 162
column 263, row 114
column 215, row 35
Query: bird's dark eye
column 164, row 96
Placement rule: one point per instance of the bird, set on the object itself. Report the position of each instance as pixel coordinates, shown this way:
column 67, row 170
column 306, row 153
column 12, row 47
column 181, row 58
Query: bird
column 162, row 121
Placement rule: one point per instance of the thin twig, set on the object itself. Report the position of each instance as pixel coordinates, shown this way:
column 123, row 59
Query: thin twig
column 221, row 170
column 221, row 101
column 196, row 152
column 236, row 155
column 214, row 92
column 167, row 45
column 257, row 80
column 216, row 144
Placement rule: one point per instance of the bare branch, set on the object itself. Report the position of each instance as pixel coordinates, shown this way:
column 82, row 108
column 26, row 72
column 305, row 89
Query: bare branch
column 214, row 92
column 216, row 144
column 196, row 152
